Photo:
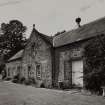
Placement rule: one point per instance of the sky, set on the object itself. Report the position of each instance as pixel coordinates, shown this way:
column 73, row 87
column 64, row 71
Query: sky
column 51, row 16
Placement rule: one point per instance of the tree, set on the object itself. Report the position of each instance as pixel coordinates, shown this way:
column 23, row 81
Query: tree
column 12, row 39
column 95, row 63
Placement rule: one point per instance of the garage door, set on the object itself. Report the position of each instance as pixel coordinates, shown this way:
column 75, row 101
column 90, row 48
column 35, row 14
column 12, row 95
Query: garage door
column 77, row 73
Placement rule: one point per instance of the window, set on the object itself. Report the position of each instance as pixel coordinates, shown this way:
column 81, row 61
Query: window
column 67, row 70
column 18, row 69
column 38, row 71
column 8, row 71
column 13, row 71
column 29, row 70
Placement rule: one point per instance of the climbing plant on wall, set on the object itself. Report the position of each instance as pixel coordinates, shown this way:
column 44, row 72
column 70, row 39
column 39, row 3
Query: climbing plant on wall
column 35, row 46
column 95, row 63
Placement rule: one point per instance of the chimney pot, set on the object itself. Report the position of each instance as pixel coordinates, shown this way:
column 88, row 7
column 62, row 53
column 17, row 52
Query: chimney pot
column 33, row 25
column 78, row 20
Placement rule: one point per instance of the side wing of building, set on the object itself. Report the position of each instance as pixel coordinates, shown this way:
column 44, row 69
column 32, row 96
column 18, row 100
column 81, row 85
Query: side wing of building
column 13, row 66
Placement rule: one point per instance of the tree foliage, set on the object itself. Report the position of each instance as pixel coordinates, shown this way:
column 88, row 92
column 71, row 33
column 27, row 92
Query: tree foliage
column 95, row 63
column 12, row 38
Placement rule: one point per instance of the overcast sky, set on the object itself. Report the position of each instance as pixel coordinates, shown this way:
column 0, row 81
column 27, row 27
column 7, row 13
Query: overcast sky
column 51, row 16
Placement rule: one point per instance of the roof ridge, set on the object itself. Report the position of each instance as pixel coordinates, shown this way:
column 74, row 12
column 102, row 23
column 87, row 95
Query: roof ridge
column 88, row 30
column 17, row 55
column 84, row 25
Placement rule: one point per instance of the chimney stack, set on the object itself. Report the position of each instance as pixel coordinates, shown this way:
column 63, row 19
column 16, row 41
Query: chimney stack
column 34, row 26
column 78, row 20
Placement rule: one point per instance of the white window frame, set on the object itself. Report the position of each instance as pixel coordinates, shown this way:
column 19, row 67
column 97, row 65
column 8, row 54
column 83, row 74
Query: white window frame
column 38, row 71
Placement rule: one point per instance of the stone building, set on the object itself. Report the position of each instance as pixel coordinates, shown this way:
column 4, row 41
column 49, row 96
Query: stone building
column 34, row 61
column 69, row 52
column 37, row 59
column 13, row 66
column 61, row 58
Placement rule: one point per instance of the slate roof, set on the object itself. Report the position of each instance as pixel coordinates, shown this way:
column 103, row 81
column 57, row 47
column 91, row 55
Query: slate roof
column 16, row 56
column 84, row 32
column 49, row 39
column 19, row 54
column 45, row 37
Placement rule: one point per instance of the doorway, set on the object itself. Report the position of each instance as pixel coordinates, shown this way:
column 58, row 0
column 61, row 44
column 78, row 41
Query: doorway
column 77, row 73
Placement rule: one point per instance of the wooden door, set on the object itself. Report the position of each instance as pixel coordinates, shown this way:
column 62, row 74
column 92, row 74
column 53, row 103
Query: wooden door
column 77, row 73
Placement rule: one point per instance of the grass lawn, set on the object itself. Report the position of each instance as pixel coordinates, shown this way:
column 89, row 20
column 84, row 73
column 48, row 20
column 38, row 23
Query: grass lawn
column 16, row 94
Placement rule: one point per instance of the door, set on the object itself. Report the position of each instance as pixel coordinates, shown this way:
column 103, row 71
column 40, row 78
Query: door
column 77, row 73
column 67, row 71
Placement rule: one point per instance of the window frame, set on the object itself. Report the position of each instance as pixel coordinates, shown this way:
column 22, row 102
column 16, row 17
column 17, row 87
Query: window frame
column 9, row 74
column 39, row 72
column 18, row 69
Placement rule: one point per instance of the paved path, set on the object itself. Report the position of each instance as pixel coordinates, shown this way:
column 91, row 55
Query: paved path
column 15, row 94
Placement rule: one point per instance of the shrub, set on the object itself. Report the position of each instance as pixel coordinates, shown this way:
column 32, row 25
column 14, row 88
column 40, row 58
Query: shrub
column 42, row 85
column 94, row 56
column 22, row 79
column 16, row 79
column 27, row 82
column 7, row 78
column 30, row 81
column 61, row 85
column 94, row 81
column 65, row 84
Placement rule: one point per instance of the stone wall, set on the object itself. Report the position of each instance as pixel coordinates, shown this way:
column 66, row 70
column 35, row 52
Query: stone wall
column 63, row 59
column 38, row 56
column 13, row 68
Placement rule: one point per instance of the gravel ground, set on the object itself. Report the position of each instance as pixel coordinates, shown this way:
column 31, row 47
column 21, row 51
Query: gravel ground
column 16, row 94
